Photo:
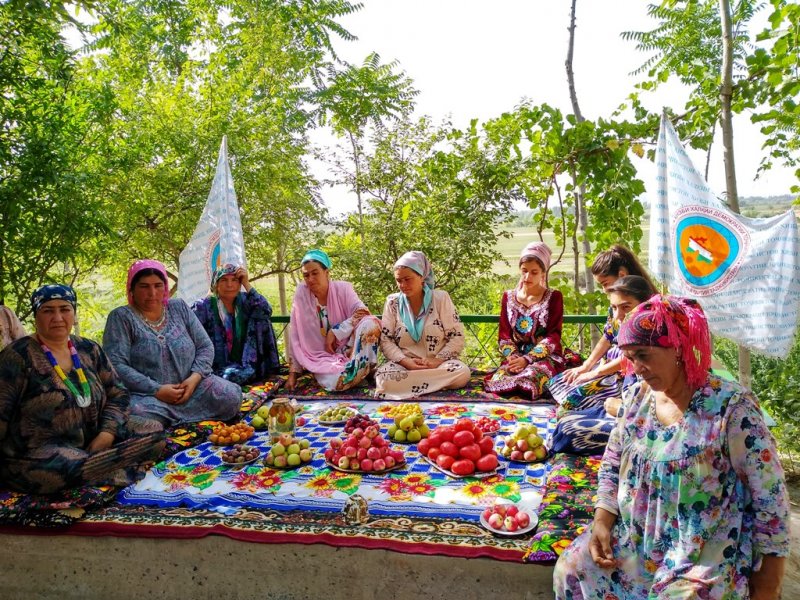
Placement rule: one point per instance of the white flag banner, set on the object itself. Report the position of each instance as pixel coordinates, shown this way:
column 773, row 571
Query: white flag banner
column 218, row 237
column 744, row 272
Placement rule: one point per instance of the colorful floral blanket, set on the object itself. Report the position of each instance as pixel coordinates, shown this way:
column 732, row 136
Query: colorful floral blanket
column 567, row 507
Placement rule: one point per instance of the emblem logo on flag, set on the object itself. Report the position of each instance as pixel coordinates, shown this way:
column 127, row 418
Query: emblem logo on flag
column 218, row 237
column 745, row 272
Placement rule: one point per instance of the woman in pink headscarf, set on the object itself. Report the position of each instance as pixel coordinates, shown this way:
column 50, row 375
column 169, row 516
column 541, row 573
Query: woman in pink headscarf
column 530, row 329
column 164, row 356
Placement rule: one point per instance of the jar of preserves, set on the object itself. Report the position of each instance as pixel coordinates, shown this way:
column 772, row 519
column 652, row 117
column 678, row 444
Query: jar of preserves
column 281, row 419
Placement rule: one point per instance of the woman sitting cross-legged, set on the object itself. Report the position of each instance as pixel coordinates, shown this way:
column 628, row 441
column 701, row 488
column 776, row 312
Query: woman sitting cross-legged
column 164, row 356
column 691, row 499
column 63, row 411
column 239, row 326
column 530, row 329
column 331, row 333
column 422, row 336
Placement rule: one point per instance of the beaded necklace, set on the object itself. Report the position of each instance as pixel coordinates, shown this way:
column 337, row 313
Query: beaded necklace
column 155, row 326
column 84, row 399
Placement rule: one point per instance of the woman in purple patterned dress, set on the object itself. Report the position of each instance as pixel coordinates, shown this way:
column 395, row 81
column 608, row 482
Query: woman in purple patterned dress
column 691, row 499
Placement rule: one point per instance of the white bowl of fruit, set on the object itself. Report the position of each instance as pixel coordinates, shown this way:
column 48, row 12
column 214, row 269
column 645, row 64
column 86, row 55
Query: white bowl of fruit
column 509, row 519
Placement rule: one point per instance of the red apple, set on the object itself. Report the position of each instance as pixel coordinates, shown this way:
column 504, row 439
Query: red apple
column 523, row 519
column 355, row 464
column 366, row 464
column 496, row 521
column 511, row 511
column 328, row 454
column 357, row 432
column 350, row 451
column 373, row 453
column 379, row 465
column 336, row 443
column 510, row 523
column 389, row 460
column 344, row 462
column 398, row 456
column 516, row 455
column 364, row 442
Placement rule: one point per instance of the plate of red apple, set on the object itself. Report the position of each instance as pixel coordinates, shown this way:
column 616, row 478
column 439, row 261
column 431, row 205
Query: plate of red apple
column 489, row 427
column 364, row 451
column 508, row 519
column 460, row 450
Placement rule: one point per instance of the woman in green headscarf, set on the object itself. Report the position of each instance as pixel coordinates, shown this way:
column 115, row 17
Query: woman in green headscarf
column 422, row 336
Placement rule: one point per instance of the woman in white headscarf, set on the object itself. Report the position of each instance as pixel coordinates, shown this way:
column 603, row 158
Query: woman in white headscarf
column 422, row 336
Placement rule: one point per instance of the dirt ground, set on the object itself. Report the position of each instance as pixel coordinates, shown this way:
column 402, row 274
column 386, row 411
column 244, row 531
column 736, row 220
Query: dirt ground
column 791, row 582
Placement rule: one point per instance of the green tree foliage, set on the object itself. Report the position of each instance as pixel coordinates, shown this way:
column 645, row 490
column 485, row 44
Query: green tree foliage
column 54, row 122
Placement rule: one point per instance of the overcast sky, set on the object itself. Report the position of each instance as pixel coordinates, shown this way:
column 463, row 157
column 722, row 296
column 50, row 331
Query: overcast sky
column 478, row 58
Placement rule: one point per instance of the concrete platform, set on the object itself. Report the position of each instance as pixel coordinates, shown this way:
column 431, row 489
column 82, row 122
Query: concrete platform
column 218, row 568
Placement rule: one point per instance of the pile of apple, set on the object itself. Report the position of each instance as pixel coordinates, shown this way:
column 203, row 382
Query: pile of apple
column 506, row 517
column 409, row 428
column 288, row 452
column 524, row 445
column 259, row 420
column 364, row 450
column 461, row 448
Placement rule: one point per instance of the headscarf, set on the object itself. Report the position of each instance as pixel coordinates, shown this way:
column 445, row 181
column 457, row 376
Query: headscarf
column 53, row 291
column 671, row 322
column 220, row 272
column 538, row 250
column 419, row 263
column 140, row 265
column 234, row 325
column 319, row 256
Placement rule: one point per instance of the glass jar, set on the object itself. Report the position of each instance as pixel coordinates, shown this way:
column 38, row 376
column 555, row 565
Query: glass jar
column 281, row 419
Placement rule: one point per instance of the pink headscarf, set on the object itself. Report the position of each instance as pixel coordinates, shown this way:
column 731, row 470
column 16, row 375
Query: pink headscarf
column 140, row 265
column 538, row 250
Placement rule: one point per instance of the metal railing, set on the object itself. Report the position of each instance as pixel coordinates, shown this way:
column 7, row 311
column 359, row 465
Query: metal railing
column 481, row 348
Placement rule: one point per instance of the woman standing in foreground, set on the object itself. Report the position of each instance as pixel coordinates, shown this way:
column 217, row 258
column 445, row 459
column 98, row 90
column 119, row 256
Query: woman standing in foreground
column 692, row 501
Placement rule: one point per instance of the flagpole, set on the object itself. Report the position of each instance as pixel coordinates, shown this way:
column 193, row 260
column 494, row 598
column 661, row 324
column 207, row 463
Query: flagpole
column 726, row 122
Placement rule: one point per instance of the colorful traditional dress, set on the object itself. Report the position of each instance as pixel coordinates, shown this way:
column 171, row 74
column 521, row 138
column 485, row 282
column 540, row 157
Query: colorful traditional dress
column 591, row 395
column 355, row 355
column 442, row 337
column 535, row 333
column 699, row 502
column 147, row 359
column 44, row 433
column 245, row 349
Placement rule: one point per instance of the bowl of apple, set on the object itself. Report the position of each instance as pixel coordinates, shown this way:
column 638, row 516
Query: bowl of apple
column 509, row 519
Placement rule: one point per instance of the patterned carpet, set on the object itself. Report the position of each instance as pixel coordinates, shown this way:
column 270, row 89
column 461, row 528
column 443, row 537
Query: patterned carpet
column 416, row 509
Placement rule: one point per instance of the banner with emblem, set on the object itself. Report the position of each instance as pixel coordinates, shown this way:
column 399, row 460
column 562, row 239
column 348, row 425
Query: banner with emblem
column 218, row 237
column 744, row 272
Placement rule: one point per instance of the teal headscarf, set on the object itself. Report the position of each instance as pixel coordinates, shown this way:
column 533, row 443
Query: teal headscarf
column 419, row 263
column 319, row 256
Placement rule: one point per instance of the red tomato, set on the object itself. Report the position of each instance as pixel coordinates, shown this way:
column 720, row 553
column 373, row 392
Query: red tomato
column 434, row 439
column 477, row 432
column 470, row 451
column 449, row 448
column 445, row 461
column 463, row 438
column 487, row 463
column 486, row 444
column 463, row 467
column 446, row 433
column 464, row 424
column 423, row 446
column 433, row 453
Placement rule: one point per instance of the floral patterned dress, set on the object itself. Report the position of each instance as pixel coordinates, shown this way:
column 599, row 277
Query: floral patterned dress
column 535, row 333
column 699, row 502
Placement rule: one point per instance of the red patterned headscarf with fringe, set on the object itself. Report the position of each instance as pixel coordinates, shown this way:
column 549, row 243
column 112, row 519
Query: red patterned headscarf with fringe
column 671, row 322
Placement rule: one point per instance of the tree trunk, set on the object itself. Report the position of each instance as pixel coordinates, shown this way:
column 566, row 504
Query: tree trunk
column 282, row 280
column 357, row 186
column 726, row 123
column 580, row 190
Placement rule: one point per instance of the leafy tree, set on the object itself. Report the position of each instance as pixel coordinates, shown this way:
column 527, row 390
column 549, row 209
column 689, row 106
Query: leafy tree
column 52, row 222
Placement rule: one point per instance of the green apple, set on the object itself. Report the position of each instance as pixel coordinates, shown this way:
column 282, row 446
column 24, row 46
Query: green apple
column 419, row 420
column 390, row 432
column 305, row 454
column 293, row 449
column 407, row 423
column 258, row 422
column 304, row 444
column 424, row 430
column 399, row 436
column 293, row 460
column 414, row 436
column 278, row 449
column 263, row 412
